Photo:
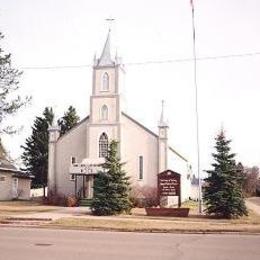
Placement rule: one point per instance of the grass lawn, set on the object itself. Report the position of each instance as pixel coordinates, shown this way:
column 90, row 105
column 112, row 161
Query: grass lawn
column 23, row 207
column 161, row 224
column 137, row 221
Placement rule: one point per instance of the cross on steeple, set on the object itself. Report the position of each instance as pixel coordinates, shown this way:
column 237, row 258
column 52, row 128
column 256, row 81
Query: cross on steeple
column 110, row 21
column 105, row 58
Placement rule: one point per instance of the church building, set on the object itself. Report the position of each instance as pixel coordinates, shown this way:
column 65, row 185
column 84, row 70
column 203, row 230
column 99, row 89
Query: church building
column 75, row 157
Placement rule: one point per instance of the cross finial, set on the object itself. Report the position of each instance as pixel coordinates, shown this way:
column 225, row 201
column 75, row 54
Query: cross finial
column 110, row 21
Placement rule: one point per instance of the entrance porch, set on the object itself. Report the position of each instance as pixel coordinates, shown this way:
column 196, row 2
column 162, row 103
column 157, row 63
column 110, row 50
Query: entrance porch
column 83, row 175
column 84, row 185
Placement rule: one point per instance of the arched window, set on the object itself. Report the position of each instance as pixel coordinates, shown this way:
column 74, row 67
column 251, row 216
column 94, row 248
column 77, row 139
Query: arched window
column 105, row 82
column 104, row 112
column 103, row 145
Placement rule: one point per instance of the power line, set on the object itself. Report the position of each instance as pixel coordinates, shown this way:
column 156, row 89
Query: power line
column 205, row 58
column 242, row 55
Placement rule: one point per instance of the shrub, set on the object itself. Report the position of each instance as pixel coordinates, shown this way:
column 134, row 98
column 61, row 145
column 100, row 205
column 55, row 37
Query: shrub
column 72, row 201
column 55, row 199
column 143, row 197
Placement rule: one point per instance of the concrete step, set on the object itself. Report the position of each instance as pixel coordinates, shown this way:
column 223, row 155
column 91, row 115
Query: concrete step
column 85, row 202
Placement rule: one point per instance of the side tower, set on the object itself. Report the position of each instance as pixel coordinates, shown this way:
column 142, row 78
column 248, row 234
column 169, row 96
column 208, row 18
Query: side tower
column 105, row 112
column 163, row 142
column 54, row 134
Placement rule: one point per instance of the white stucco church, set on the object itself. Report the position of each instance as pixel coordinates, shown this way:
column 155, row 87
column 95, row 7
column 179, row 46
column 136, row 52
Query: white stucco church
column 74, row 158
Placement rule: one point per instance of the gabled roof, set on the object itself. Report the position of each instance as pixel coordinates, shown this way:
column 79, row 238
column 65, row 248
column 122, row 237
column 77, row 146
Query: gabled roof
column 152, row 133
column 135, row 122
column 7, row 167
column 74, row 127
column 105, row 58
column 183, row 158
column 139, row 124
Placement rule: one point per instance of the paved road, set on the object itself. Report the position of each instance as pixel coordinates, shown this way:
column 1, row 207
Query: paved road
column 43, row 244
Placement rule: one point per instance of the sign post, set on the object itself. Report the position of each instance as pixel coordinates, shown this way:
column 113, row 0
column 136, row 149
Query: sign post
column 169, row 184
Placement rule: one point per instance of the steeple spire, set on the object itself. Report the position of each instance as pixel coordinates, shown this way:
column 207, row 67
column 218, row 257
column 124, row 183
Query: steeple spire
column 105, row 58
column 162, row 123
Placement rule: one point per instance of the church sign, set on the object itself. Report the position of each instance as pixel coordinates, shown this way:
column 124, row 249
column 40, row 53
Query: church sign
column 169, row 184
column 84, row 169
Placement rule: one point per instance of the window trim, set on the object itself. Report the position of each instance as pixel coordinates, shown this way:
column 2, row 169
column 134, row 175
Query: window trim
column 102, row 146
column 103, row 81
column 104, row 113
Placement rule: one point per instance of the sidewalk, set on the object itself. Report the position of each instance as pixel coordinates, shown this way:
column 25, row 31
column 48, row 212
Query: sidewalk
column 254, row 204
column 61, row 212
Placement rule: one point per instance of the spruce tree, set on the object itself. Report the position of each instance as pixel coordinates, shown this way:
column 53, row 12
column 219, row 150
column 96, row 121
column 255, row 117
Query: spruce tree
column 222, row 193
column 69, row 120
column 35, row 155
column 111, row 186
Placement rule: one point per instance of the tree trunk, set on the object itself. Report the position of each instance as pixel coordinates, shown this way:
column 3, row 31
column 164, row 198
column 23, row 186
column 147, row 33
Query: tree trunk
column 44, row 191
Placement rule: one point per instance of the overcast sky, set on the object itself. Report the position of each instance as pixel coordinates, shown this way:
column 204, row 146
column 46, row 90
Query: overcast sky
column 42, row 33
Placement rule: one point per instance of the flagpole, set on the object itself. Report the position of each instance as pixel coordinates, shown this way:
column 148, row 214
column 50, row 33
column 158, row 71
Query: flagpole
column 196, row 103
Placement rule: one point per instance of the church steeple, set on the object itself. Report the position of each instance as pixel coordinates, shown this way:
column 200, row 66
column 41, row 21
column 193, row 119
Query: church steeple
column 163, row 142
column 105, row 107
column 162, row 122
column 105, row 58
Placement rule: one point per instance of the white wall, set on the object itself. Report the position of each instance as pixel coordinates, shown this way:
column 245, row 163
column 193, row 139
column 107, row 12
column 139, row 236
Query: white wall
column 177, row 164
column 71, row 144
column 94, row 133
column 136, row 142
column 6, row 186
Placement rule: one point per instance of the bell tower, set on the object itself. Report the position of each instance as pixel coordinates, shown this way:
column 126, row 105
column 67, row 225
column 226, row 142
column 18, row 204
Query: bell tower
column 105, row 112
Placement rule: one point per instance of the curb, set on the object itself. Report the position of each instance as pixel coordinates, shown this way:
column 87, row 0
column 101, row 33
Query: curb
column 27, row 219
column 179, row 231
column 82, row 228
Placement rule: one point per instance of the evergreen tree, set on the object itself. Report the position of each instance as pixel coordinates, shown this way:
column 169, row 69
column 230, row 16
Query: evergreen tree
column 35, row 155
column 3, row 153
column 69, row 120
column 223, row 188
column 9, row 80
column 111, row 186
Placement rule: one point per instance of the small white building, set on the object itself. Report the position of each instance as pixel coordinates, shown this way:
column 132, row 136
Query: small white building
column 14, row 184
column 84, row 147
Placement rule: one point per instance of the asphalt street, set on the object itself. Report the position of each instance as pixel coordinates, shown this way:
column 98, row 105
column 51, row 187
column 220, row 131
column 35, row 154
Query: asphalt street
column 43, row 244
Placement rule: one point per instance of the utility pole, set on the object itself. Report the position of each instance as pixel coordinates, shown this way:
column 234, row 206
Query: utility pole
column 196, row 102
